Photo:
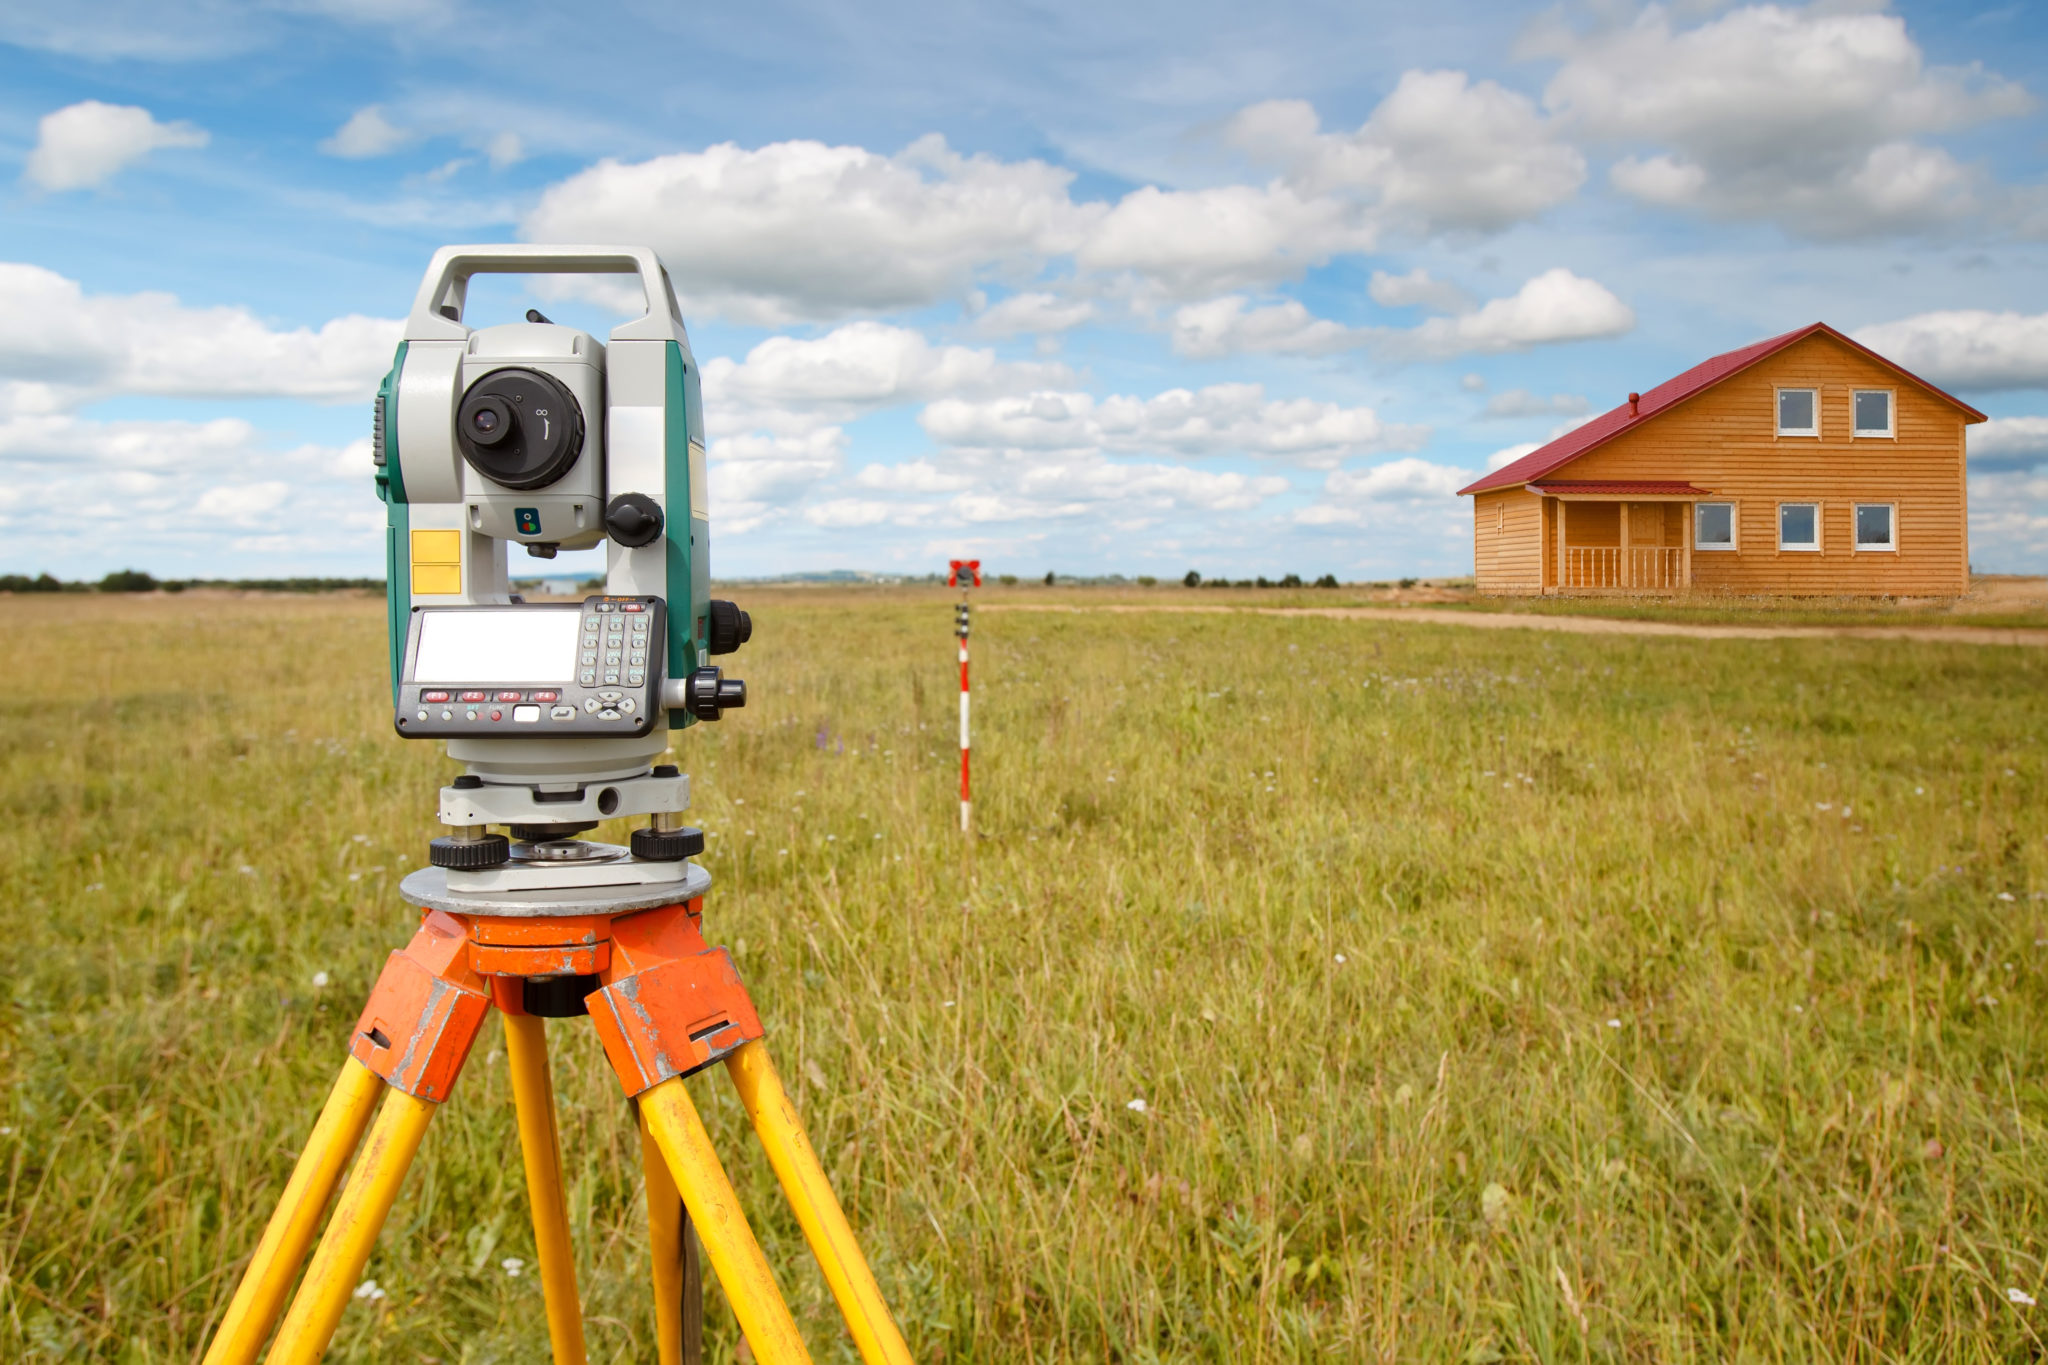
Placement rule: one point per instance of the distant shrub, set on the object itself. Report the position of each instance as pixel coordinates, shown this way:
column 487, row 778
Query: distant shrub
column 21, row 582
column 1008, row 580
column 1328, row 580
column 1407, row 582
column 1146, row 580
column 1193, row 580
column 128, row 580
column 1292, row 580
column 1049, row 578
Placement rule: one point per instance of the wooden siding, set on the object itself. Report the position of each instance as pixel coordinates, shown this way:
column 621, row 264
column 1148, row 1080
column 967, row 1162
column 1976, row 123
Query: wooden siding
column 1507, row 542
column 1725, row 439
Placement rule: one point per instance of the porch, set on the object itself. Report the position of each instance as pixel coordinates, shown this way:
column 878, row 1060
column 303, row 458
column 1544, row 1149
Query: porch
column 1617, row 538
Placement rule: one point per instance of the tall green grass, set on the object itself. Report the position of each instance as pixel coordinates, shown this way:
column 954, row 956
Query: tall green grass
column 1490, row 995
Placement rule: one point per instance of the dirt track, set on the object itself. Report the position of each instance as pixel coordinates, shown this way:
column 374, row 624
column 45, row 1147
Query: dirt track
column 1586, row 625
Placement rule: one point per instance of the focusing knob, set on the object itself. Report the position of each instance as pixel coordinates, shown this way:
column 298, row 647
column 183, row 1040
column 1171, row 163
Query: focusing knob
column 633, row 519
column 728, row 628
column 493, row 850
column 519, row 428
column 709, row 692
column 667, row 845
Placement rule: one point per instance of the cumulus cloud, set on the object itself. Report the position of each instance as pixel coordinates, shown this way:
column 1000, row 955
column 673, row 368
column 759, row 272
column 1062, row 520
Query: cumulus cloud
column 1033, row 314
column 2009, row 443
column 1355, row 497
column 1806, row 117
column 1231, row 324
column 1554, row 306
column 1507, row 455
column 366, row 134
column 802, row 230
column 1967, row 348
column 1522, row 403
column 77, row 346
column 1440, row 153
column 1223, row 419
column 1418, row 289
column 1195, row 242
column 792, row 384
column 2009, row 521
column 89, row 143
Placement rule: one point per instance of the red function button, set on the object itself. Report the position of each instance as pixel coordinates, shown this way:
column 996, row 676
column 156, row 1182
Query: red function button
column 633, row 606
column 433, row 696
column 542, row 696
column 500, row 715
column 508, row 696
column 476, row 696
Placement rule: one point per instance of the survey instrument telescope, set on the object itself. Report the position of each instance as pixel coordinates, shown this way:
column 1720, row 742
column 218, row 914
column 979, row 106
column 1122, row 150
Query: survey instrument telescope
column 541, row 437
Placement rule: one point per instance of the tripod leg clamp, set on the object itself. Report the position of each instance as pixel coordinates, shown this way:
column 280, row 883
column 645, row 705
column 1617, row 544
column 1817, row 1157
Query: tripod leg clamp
column 670, row 1005
column 424, row 1013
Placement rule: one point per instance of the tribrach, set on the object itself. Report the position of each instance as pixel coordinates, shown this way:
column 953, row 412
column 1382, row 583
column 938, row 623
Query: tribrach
column 538, row 435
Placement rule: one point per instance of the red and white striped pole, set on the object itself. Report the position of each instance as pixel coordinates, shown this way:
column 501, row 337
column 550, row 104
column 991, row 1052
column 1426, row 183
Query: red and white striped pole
column 971, row 568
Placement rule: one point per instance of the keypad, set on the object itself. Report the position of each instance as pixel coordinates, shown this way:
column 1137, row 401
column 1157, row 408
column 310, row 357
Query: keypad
column 614, row 643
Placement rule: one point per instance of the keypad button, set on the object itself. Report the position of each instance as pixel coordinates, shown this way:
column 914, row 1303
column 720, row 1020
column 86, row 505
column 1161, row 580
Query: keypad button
column 611, row 658
column 549, row 695
column 632, row 606
column 507, row 696
column 447, row 715
column 423, row 714
column 604, row 608
column 611, row 677
column 589, row 656
column 476, row 696
column 591, row 704
column 628, row 705
column 525, row 715
column 636, row 678
column 497, row 715
column 563, row 712
column 587, row 676
column 607, row 714
column 433, row 696
column 638, row 656
column 609, row 695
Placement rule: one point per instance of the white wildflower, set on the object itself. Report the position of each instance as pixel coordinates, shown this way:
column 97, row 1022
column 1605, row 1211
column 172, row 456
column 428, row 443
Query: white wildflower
column 512, row 1265
column 370, row 1291
column 1137, row 1106
column 320, row 980
column 2020, row 1297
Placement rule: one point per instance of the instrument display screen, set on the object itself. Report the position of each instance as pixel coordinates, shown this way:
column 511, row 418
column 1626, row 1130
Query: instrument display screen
column 496, row 647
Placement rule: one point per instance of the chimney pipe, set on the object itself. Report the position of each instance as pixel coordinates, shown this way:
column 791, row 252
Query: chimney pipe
column 1635, row 401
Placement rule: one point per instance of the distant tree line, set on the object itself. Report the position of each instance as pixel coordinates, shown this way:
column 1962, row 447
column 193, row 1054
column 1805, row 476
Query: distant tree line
column 1293, row 580
column 135, row 580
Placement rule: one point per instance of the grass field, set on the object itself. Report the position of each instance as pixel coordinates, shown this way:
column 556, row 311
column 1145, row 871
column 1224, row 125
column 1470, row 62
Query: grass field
column 1491, row 995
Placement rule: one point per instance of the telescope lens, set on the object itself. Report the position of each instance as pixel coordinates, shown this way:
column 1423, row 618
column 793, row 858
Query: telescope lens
column 519, row 428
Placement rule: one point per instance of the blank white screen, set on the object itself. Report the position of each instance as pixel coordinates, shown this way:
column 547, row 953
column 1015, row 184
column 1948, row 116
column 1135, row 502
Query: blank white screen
column 493, row 646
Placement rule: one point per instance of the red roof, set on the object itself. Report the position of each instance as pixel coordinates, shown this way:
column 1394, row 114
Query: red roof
column 1670, row 393
column 1639, row 488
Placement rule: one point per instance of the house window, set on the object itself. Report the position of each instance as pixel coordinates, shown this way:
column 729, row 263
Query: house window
column 1876, row 526
column 1799, row 526
column 1713, row 526
column 1873, row 409
column 1798, row 412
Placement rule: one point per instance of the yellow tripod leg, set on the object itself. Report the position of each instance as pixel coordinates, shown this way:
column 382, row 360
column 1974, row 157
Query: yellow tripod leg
column 678, row 1291
column 268, row 1281
column 358, row 1218
column 817, row 1209
column 533, row 1100
column 728, row 1242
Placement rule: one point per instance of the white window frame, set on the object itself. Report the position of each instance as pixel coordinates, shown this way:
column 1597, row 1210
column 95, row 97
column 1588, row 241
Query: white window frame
column 1855, row 538
column 1891, row 413
column 1818, row 533
column 1778, row 410
column 1734, row 527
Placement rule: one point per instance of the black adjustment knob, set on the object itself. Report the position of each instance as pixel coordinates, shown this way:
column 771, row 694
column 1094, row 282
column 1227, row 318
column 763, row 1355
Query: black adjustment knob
column 468, row 855
column 666, row 845
column 468, row 782
column 665, row 770
column 708, row 693
column 633, row 519
column 726, row 627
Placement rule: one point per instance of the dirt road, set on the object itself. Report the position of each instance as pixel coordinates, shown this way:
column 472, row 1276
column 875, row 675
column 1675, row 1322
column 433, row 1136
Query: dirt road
column 1582, row 625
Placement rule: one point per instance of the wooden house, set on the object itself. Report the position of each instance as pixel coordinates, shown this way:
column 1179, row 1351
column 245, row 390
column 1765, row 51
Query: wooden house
column 1805, row 464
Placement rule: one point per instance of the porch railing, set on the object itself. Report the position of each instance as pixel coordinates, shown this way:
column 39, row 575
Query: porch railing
column 1646, row 567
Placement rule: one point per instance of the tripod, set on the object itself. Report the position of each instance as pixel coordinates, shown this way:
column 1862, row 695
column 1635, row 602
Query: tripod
column 633, row 958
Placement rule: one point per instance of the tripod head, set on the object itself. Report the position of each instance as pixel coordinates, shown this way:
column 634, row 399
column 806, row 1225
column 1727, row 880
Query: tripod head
column 540, row 436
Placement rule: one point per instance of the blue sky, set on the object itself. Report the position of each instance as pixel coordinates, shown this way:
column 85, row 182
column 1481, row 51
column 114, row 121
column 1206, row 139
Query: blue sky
column 1128, row 288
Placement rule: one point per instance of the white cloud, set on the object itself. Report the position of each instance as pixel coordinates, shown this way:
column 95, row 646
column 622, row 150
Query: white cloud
column 89, row 143
column 1401, row 488
column 1440, row 153
column 1195, row 242
column 1806, row 117
column 1967, row 348
column 1507, row 455
column 1033, row 314
column 366, row 134
column 1223, row 419
column 1522, row 403
column 1418, row 289
column 793, row 384
column 1230, row 325
column 243, row 504
column 913, row 476
column 2008, row 443
column 1554, row 306
column 76, row 346
column 2009, row 521
column 505, row 149
column 802, row 230
column 850, row 513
